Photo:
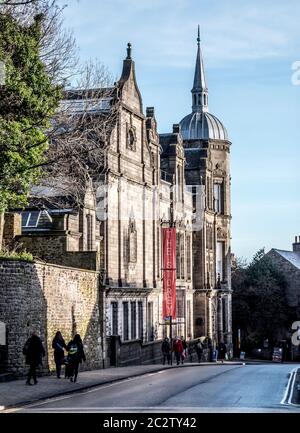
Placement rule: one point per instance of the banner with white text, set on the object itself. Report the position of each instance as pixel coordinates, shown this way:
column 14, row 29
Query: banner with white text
column 169, row 272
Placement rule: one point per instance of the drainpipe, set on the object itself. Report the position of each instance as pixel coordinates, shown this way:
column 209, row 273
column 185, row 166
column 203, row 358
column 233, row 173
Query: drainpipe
column 102, row 309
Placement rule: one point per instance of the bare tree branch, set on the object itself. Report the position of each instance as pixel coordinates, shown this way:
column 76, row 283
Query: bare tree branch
column 57, row 45
column 17, row 3
column 80, row 132
column 80, row 136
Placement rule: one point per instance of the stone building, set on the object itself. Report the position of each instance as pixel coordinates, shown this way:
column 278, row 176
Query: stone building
column 141, row 174
column 207, row 154
column 191, row 160
column 113, row 243
column 288, row 263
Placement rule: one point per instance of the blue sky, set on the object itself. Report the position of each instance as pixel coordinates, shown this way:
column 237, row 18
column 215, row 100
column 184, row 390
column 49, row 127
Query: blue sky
column 248, row 49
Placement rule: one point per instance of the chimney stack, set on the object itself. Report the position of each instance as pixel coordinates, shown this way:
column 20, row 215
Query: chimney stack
column 296, row 244
column 150, row 112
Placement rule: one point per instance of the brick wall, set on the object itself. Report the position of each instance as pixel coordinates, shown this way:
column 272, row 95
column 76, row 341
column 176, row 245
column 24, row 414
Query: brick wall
column 48, row 298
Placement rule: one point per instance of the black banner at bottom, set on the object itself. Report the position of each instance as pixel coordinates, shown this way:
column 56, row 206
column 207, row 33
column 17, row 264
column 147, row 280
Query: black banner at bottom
column 147, row 422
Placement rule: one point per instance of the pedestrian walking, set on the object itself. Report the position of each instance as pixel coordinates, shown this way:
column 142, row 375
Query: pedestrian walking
column 33, row 351
column 166, row 349
column 184, row 345
column 216, row 353
column 199, row 350
column 210, row 350
column 222, row 350
column 58, row 344
column 178, row 350
column 190, row 350
column 75, row 357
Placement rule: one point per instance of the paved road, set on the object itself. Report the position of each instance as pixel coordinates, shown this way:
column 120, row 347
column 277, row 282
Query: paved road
column 249, row 388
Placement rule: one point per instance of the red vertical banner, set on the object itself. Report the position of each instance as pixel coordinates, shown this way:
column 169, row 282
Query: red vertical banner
column 169, row 272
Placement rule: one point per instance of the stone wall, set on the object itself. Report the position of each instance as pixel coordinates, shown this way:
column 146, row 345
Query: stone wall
column 48, row 298
column 44, row 247
column 53, row 249
column 137, row 353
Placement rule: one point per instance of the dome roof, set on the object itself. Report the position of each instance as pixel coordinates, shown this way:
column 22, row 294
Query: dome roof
column 202, row 125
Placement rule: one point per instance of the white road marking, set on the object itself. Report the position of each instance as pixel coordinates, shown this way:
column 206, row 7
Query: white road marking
column 292, row 386
column 288, row 388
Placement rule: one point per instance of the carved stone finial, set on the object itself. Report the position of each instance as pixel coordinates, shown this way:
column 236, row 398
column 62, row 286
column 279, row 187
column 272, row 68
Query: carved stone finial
column 128, row 51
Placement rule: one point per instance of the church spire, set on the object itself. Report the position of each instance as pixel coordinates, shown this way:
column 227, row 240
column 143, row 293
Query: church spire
column 199, row 90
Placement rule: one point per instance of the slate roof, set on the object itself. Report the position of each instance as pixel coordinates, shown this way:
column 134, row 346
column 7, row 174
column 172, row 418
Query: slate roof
column 291, row 256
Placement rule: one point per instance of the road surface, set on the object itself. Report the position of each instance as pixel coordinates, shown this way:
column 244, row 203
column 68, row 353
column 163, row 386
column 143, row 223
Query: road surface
column 219, row 388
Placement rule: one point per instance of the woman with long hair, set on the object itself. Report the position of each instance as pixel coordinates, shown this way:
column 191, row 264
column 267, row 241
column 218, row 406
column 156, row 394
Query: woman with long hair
column 58, row 344
column 75, row 356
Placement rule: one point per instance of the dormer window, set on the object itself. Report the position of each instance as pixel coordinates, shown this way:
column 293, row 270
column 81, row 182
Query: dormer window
column 36, row 219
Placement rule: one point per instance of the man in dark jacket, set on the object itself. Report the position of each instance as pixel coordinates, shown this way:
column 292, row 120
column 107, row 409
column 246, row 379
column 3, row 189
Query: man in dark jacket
column 184, row 345
column 34, row 351
column 166, row 348
column 222, row 350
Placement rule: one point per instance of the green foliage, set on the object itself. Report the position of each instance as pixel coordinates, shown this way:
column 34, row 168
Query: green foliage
column 13, row 255
column 27, row 101
column 260, row 306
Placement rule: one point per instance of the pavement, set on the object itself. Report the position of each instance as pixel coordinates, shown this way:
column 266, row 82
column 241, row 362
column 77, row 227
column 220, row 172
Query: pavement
column 195, row 388
column 16, row 393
